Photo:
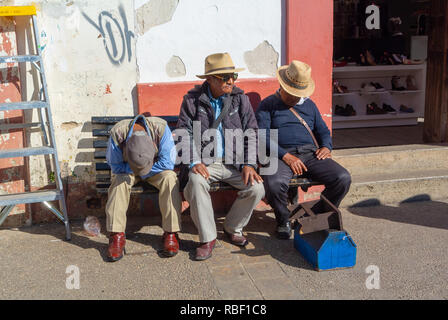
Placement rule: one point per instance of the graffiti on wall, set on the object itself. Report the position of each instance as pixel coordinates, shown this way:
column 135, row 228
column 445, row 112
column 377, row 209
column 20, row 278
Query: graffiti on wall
column 116, row 35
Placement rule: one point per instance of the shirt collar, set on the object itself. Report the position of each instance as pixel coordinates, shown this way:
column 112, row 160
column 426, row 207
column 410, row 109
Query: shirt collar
column 212, row 99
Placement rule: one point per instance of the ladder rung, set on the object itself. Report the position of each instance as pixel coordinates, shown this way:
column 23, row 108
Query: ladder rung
column 25, row 152
column 14, row 59
column 10, row 126
column 23, row 105
column 29, row 197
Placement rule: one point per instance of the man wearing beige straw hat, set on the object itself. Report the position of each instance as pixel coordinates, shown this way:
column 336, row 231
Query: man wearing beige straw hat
column 219, row 105
column 304, row 143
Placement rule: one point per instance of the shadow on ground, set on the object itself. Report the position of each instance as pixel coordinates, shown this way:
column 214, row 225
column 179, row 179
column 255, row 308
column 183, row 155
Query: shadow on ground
column 418, row 210
column 260, row 233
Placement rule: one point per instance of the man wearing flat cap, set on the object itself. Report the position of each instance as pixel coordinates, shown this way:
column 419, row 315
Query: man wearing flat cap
column 304, row 143
column 142, row 149
column 218, row 104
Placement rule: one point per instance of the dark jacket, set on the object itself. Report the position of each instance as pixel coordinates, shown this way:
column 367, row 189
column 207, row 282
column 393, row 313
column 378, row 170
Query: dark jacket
column 240, row 115
column 272, row 113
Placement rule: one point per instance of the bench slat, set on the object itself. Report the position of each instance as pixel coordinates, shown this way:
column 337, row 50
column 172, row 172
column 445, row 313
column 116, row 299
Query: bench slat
column 104, row 132
column 100, row 154
column 102, row 166
column 100, row 143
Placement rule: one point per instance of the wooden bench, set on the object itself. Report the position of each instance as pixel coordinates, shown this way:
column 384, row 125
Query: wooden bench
column 100, row 131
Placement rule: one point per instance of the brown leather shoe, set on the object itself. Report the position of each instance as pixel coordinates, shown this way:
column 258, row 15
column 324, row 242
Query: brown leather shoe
column 236, row 239
column 170, row 244
column 204, row 251
column 117, row 242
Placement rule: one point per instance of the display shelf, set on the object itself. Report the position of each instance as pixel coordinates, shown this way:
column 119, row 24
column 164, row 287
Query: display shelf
column 368, row 117
column 358, row 92
column 380, row 68
column 353, row 77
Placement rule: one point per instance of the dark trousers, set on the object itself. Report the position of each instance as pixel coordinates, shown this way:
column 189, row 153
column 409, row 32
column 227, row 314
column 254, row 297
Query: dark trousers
column 336, row 179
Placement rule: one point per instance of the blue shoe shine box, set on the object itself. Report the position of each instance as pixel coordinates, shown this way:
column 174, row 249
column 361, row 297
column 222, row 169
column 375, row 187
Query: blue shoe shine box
column 327, row 249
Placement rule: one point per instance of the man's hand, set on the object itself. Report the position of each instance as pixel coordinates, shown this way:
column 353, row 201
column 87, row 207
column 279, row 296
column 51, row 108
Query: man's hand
column 250, row 175
column 323, row 153
column 201, row 169
column 295, row 164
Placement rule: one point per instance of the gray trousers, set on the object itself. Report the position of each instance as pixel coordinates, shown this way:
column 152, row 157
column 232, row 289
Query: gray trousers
column 196, row 192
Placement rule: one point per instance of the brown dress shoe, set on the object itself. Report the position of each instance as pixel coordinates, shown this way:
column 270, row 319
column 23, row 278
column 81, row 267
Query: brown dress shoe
column 204, row 251
column 236, row 239
column 117, row 242
column 170, row 244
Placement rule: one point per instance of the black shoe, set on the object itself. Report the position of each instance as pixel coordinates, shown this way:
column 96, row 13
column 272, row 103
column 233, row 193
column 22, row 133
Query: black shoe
column 388, row 108
column 339, row 111
column 284, row 231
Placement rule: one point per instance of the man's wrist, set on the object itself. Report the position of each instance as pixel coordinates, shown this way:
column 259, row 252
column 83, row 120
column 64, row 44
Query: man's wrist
column 249, row 165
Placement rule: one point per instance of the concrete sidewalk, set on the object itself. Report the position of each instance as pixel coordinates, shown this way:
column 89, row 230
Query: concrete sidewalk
column 406, row 242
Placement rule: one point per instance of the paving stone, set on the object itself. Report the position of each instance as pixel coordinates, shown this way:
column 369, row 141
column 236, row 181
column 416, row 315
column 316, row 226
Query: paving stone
column 238, row 290
column 228, row 273
column 224, row 259
column 264, row 270
column 255, row 257
column 278, row 288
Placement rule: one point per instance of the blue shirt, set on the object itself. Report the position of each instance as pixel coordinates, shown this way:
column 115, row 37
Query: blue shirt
column 166, row 156
column 272, row 113
column 217, row 108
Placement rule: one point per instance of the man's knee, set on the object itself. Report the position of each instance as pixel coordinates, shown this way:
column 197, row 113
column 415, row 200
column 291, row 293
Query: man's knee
column 275, row 184
column 344, row 177
column 118, row 179
column 168, row 176
column 195, row 181
column 257, row 190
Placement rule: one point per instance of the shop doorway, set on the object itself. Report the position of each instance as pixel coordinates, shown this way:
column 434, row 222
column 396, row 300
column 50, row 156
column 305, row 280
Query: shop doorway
column 379, row 72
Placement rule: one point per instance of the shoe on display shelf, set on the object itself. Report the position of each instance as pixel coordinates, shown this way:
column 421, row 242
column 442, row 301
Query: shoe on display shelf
column 389, row 109
column 372, row 108
column 406, row 109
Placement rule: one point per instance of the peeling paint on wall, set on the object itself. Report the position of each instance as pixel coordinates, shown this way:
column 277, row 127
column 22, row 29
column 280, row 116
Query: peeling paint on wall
column 154, row 13
column 69, row 125
column 175, row 67
column 262, row 60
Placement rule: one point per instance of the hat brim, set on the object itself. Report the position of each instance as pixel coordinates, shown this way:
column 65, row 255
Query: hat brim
column 141, row 172
column 302, row 93
column 203, row 76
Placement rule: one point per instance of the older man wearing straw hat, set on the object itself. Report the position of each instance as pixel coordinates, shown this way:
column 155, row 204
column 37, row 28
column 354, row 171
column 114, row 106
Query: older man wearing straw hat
column 218, row 104
column 304, row 143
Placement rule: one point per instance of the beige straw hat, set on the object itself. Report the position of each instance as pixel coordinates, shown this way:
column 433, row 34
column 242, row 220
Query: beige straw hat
column 296, row 79
column 219, row 63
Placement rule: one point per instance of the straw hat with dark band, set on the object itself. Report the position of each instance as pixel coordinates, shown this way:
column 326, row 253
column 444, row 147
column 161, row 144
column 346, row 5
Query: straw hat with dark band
column 296, row 79
column 219, row 63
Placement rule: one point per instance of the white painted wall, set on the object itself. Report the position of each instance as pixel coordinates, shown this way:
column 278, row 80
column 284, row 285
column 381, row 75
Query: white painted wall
column 199, row 28
column 85, row 78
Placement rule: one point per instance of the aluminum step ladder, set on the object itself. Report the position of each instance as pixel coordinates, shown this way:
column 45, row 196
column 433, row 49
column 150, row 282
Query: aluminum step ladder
column 8, row 201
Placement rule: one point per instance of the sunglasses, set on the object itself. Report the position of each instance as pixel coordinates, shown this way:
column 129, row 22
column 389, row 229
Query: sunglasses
column 227, row 77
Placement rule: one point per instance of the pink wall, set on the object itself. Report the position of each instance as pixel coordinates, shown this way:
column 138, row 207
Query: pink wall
column 309, row 38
